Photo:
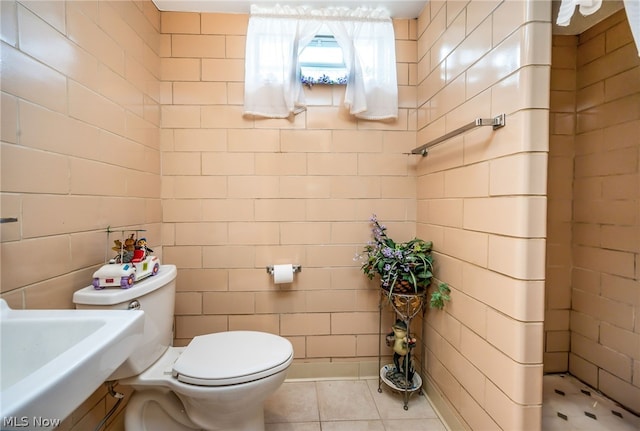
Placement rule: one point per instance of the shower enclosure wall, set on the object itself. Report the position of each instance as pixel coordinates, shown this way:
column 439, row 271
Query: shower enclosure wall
column 592, row 317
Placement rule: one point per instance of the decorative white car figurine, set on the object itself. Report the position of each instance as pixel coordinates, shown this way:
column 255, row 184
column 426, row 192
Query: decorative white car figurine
column 132, row 264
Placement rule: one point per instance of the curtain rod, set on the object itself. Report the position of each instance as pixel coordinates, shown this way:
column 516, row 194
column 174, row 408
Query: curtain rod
column 496, row 122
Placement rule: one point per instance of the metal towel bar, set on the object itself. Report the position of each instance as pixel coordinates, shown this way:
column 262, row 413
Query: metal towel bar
column 496, row 122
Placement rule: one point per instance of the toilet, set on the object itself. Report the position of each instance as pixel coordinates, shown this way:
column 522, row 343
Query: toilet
column 219, row 381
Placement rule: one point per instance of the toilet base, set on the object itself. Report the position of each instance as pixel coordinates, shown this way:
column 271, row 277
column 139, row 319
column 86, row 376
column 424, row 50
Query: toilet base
column 152, row 410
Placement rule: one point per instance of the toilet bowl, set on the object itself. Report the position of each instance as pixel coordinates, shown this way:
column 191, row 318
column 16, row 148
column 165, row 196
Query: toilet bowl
column 217, row 391
column 218, row 381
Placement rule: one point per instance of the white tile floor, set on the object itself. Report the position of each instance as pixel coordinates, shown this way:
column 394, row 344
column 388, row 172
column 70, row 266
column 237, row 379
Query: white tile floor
column 570, row 405
column 356, row 405
column 346, row 405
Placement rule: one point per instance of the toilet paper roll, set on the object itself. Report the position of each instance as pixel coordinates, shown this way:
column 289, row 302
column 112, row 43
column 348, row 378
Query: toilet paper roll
column 283, row 273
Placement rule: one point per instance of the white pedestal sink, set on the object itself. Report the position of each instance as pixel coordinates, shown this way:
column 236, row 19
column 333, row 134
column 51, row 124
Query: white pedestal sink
column 53, row 360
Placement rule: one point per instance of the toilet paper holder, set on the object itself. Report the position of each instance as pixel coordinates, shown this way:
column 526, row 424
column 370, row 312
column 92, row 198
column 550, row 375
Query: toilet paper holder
column 296, row 268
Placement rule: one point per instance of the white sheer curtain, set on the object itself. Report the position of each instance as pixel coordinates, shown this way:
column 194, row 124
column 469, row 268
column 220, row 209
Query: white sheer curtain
column 568, row 8
column 587, row 7
column 275, row 38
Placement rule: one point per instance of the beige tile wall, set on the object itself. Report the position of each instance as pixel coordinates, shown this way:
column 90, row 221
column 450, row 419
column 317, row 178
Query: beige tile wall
column 605, row 312
column 80, row 140
column 482, row 200
column 560, row 198
column 80, row 150
column 240, row 193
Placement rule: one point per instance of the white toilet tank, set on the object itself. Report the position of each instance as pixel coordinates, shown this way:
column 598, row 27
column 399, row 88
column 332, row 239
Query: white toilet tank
column 154, row 295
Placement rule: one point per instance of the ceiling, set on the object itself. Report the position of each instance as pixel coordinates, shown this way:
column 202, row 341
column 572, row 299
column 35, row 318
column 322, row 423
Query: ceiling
column 397, row 9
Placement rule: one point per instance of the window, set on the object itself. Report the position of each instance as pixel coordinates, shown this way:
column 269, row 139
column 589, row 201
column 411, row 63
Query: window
column 362, row 48
column 322, row 62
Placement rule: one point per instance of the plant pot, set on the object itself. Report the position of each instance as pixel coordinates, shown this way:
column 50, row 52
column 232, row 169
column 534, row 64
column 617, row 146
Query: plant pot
column 406, row 304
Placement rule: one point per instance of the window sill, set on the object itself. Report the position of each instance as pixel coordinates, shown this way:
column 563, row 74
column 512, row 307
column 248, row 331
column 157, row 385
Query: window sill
column 323, row 80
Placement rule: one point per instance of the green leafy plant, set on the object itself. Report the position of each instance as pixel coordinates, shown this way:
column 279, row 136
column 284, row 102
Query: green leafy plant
column 405, row 267
column 440, row 296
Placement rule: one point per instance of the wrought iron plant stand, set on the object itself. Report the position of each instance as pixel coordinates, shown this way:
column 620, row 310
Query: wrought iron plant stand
column 401, row 376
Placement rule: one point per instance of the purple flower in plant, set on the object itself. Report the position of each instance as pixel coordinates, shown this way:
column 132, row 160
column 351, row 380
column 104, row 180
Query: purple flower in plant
column 393, row 261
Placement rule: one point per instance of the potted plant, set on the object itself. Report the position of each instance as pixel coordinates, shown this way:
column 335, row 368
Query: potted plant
column 403, row 268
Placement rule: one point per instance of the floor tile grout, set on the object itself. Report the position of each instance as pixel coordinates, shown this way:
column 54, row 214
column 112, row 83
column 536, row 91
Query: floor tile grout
column 347, row 405
column 356, row 405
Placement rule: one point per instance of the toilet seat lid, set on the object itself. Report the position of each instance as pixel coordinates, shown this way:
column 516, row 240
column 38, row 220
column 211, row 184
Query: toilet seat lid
column 233, row 357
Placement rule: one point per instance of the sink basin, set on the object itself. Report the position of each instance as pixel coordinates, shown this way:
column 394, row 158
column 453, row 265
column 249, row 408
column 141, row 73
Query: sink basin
column 53, row 360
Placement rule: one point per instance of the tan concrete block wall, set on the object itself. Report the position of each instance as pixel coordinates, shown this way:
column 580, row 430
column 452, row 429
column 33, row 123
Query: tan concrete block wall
column 605, row 317
column 80, row 148
column 241, row 193
column 560, row 199
column 482, row 200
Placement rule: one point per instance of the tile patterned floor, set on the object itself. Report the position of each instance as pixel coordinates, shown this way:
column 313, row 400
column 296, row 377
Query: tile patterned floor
column 346, row 405
column 570, row 405
column 356, row 405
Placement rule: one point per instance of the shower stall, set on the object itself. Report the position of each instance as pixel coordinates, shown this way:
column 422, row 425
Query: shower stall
column 536, row 224
column 592, row 306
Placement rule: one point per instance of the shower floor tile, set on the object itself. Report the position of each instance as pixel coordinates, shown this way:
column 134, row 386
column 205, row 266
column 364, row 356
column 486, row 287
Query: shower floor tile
column 346, row 405
column 570, row 405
